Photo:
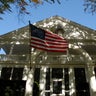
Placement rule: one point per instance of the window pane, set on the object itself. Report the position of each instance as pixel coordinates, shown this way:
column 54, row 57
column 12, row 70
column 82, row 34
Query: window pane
column 48, row 79
column 6, row 73
column 37, row 74
column 57, row 87
column 36, row 82
column 35, row 89
column 47, row 94
column 95, row 71
column 57, row 73
column 82, row 87
column 47, row 85
column 66, row 81
column 12, row 88
column 17, row 73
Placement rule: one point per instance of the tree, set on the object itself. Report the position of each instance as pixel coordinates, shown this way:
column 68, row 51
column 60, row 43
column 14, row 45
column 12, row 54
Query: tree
column 21, row 5
column 90, row 6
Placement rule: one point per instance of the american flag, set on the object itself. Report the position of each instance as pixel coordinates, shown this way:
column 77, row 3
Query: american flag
column 48, row 41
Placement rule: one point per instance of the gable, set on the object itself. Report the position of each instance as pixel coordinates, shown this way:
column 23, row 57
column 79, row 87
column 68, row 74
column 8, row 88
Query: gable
column 76, row 34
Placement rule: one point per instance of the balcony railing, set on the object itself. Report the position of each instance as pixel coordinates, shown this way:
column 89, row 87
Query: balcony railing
column 14, row 58
column 59, row 59
column 41, row 60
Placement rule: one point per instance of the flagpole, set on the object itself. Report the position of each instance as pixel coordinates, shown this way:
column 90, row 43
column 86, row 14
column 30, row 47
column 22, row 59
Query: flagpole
column 30, row 44
column 32, row 68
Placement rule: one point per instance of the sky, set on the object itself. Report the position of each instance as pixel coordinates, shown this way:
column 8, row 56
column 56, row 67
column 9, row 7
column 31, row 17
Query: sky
column 69, row 9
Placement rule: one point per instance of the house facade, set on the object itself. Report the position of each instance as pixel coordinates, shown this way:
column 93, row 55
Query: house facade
column 26, row 71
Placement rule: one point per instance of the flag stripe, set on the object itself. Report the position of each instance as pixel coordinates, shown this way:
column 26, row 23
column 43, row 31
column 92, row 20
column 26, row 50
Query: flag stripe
column 54, row 46
column 50, row 46
column 48, row 49
column 52, row 35
column 54, row 40
column 47, row 41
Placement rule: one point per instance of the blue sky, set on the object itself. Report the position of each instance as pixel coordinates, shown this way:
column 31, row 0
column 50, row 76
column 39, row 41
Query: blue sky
column 69, row 9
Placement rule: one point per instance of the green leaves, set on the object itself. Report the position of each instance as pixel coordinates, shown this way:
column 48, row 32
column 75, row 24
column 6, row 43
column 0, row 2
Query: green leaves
column 20, row 4
column 90, row 6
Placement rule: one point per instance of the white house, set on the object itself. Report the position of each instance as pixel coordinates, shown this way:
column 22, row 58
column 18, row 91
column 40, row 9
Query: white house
column 56, row 74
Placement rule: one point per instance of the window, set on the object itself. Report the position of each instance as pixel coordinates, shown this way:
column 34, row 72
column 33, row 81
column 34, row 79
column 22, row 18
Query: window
column 11, row 83
column 12, row 87
column 66, row 79
column 82, row 86
column 47, row 85
column 57, row 73
column 36, row 82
